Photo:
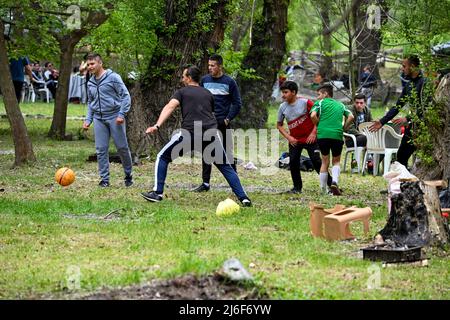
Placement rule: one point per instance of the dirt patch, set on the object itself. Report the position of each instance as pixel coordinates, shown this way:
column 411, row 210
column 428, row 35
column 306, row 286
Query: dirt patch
column 211, row 287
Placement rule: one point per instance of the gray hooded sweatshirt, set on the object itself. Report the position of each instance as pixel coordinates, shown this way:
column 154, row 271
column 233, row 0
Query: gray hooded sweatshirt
column 108, row 97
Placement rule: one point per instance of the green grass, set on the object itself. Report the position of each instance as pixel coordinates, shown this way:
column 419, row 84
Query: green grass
column 46, row 109
column 46, row 229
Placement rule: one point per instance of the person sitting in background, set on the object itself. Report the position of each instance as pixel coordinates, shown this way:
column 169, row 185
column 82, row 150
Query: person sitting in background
column 38, row 77
column 361, row 113
column 51, row 76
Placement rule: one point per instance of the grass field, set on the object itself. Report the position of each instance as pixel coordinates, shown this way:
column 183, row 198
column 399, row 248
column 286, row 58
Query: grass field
column 48, row 231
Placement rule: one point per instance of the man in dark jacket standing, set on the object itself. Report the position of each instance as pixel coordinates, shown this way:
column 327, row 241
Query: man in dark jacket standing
column 227, row 104
column 414, row 88
column 108, row 103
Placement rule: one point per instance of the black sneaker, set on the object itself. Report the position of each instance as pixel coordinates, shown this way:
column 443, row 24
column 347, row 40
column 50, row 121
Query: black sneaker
column 335, row 189
column 128, row 181
column 151, row 196
column 246, row 202
column 103, row 184
column 201, row 188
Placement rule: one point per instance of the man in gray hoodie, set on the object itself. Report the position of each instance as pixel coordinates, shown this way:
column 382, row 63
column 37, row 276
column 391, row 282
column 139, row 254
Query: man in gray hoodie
column 108, row 103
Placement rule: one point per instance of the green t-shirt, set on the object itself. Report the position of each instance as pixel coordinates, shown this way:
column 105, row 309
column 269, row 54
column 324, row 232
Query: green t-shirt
column 330, row 113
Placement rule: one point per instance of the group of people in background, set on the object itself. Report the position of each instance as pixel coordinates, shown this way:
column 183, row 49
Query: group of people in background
column 45, row 76
column 38, row 76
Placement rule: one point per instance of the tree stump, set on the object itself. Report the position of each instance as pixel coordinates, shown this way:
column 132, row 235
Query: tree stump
column 415, row 218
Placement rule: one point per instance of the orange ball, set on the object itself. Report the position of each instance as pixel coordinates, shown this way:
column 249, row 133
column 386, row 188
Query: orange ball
column 65, row 176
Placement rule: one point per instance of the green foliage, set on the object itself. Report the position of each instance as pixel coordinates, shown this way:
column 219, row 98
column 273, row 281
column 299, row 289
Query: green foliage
column 305, row 26
column 127, row 39
column 240, row 18
column 27, row 29
column 34, row 23
column 233, row 61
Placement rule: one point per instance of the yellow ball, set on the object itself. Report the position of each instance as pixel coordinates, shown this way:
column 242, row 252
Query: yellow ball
column 227, row 208
column 65, row 176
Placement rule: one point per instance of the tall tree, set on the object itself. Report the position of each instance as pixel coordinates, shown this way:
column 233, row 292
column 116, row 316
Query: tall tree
column 22, row 143
column 265, row 56
column 68, row 37
column 242, row 22
column 326, row 67
column 189, row 32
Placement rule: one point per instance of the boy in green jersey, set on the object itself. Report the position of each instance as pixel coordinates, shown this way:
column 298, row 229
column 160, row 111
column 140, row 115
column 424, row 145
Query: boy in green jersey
column 328, row 115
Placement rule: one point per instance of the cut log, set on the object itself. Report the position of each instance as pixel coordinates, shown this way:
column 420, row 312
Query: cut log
column 415, row 218
column 437, row 225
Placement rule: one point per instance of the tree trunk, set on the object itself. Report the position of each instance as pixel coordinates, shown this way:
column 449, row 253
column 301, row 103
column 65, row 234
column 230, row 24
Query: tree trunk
column 415, row 218
column 368, row 35
column 440, row 137
column 326, row 67
column 351, row 70
column 58, row 127
column 22, row 143
column 241, row 24
column 185, row 39
column 265, row 57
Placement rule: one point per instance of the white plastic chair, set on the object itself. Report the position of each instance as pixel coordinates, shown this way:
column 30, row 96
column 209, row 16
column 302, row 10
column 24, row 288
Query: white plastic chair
column 44, row 90
column 47, row 93
column 376, row 145
column 27, row 90
column 357, row 151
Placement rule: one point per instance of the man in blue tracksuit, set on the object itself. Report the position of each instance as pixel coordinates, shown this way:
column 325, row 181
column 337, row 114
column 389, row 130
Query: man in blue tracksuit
column 108, row 103
column 197, row 105
column 227, row 104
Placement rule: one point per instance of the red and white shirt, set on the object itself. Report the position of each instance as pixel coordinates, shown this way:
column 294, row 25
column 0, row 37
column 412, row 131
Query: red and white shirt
column 298, row 118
